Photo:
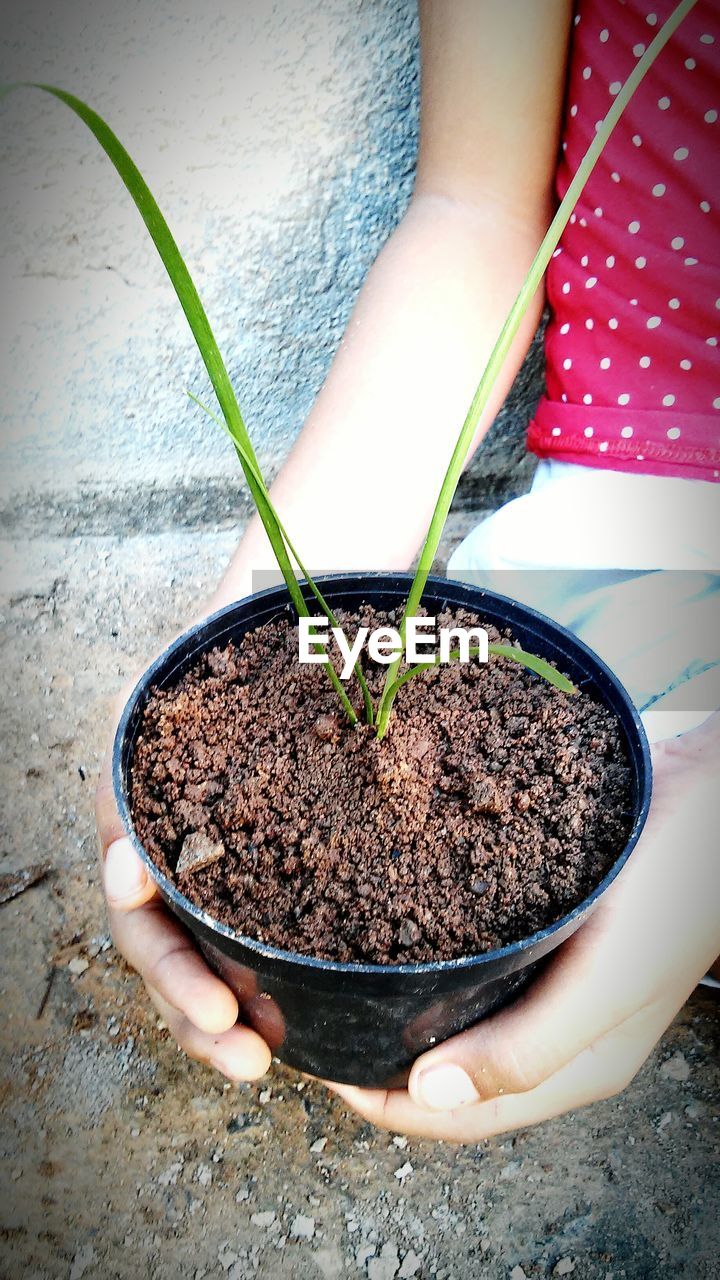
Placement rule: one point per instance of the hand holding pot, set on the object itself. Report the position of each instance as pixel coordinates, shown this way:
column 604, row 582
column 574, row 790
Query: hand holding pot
column 199, row 1009
column 587, row 1025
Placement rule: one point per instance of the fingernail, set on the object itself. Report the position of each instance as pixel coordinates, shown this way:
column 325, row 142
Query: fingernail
column 445, row 1087
column 125, row 875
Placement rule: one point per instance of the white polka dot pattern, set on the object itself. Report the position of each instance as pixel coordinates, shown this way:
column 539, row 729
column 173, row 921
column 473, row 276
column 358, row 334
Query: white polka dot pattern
column 633, row 369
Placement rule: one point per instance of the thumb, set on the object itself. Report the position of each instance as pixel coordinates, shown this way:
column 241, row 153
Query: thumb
column 126, row 880
column 107, row 819
column 510, row 1053
column 567, row 1008
column 125, row 877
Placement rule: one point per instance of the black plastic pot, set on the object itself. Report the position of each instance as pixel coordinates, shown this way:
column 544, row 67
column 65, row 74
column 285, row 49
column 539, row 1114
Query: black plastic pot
column 361, row 1023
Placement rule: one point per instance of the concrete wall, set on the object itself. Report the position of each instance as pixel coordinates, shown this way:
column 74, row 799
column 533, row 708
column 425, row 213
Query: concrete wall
column 280, row 141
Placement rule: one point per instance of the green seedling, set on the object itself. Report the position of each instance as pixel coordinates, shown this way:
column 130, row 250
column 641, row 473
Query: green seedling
column 233, row 423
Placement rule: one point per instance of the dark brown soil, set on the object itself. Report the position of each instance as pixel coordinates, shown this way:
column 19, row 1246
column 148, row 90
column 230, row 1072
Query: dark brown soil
column 493, row 806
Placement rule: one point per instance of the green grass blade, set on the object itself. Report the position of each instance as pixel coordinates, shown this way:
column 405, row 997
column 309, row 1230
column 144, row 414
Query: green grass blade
column 195, row 314
column 509, row 332
column 529, row 660
column 533, row 663
column 189, row 298
column 367, row 700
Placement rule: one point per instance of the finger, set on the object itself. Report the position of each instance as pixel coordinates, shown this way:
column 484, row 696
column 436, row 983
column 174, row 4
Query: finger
column 238, row 1053
column 126, row 880
column 513, row 1051
column 395, row 1110
column 600, row 1071
column 165, row 957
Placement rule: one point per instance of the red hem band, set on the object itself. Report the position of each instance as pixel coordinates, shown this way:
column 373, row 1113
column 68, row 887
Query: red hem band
column 651, row 442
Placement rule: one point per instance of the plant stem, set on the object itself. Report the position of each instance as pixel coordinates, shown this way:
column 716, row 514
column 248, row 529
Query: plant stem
column 507, row 337
column 367, row 700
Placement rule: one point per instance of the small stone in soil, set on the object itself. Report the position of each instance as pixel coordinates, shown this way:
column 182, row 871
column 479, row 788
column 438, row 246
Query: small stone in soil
column 302, row 1227
column 410, row 1266
column 363, row 1254
column 169, row 1176
column 479, row 887
column 409, row 933
column 564, row 1267
column 384, row 1267
column 676, row 1068
column 227, row 1257
column 263, row 1220
column 198, row 851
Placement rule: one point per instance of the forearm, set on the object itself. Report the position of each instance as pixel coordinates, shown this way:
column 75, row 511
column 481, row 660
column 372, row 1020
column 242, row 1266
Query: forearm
column 359, row 486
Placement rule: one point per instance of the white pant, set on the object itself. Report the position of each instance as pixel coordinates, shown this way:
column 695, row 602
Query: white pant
column 636, row 574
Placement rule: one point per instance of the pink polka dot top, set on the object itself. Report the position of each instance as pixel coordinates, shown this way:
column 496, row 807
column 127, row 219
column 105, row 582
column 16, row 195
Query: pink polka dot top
column 633, row 368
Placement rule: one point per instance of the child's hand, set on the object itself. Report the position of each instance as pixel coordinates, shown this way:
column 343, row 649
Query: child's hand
column 199, row 1010
column 587, row 1025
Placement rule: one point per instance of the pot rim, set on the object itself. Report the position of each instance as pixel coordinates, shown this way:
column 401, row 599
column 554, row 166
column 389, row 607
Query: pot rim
column 170, row 891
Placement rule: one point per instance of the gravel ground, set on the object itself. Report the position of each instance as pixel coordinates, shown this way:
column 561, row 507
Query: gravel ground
column 121, row 1158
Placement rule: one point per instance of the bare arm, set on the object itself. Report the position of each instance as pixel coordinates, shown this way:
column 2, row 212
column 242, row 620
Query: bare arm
column 358, row 487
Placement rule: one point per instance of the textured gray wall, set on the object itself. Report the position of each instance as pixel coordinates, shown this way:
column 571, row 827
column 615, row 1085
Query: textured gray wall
column 280, row 142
